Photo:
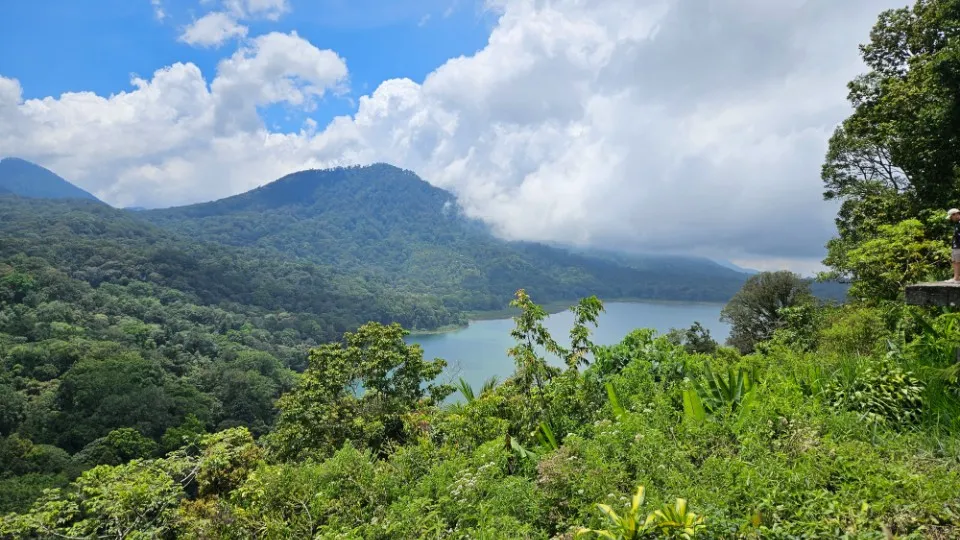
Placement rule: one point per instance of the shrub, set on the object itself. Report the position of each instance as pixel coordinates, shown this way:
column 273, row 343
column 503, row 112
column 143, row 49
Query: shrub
column 879, row 394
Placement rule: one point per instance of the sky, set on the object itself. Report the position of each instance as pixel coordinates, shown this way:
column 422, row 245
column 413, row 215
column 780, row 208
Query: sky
column 682, row 126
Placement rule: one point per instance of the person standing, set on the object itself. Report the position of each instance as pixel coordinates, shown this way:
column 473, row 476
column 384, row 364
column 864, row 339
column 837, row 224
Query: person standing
column 954, row 215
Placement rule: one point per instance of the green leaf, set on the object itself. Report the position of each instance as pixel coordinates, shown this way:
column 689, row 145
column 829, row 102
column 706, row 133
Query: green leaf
column 637, row 500
column 548, row 437
column 610, row 514
column 692, row 406
column 618, row 409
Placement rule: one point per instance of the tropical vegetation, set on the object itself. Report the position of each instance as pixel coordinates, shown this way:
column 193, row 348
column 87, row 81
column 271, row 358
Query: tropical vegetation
column 132, row 407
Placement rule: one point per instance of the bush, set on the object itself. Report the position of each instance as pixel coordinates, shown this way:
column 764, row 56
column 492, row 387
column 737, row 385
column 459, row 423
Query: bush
column 881, row 393
column 855, row 331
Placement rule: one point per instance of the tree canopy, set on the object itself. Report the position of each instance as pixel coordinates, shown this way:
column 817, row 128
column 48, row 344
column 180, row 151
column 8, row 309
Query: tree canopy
column 896, row 156
column 756, row 311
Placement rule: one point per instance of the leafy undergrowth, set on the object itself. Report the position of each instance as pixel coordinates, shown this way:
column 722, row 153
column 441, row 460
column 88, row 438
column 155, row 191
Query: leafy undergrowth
column 782, row 443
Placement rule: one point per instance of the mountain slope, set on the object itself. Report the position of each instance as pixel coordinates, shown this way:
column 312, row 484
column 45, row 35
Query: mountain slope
column 685, row 264
column 101, row 245
column 27, row 179
column 707, row 269
column 732, row 266
column 388, row 225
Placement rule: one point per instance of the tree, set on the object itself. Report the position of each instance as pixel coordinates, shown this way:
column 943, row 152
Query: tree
column 529, row 332
column 695, row 339
column 11, row 409
column 357, row 390
column 137, row 500
column 15, row 286
column 898, row 256
column 98, row 395
column 118, row 447
column 898, row 154
column 755, row 311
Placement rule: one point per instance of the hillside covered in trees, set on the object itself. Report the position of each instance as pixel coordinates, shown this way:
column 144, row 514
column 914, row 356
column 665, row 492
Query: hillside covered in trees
column 98, row 244
column 20, row 177
column 388, row 225
column 153, row 414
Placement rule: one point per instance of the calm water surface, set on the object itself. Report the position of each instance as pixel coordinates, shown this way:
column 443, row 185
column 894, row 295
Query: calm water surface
column 480, row 350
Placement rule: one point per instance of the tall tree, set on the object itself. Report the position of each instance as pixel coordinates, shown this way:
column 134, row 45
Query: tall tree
column 358, row 390
column 754, row 313
column 898, row 153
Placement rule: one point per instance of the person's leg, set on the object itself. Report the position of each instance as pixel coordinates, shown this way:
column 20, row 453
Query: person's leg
column 955, row 265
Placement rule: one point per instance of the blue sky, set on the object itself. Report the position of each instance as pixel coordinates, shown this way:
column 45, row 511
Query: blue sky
column 72, row 46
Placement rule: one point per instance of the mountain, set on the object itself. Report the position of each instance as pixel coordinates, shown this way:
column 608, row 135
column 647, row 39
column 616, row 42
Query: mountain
column 730, row 265
column 387, row 225
column 27, row 179
column 707, row 269
column 700, row 266
column 100, row 245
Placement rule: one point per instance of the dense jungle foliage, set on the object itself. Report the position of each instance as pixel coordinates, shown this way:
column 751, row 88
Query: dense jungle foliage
column 843, row 424
column 813, row 421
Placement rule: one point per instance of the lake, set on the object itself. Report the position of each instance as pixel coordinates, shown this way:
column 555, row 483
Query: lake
column 479, row 351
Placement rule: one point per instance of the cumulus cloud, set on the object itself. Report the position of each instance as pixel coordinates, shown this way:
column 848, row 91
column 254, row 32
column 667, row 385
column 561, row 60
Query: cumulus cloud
column 173, row 138
column 212, row 30
column 158, row 11
column 216, row 27
column 276, row 68
column 253, row 9
column 693, row 126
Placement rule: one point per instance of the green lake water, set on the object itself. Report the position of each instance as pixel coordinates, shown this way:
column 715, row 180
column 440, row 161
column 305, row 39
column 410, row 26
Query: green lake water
column 480, row 350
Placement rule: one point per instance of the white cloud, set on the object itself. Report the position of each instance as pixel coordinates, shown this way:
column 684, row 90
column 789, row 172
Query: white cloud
column 685, row 125
column 216, row 27
column 174, row 135
column 257, row 9
column 697, row 126
column 275, row 68
column 212, row 30
column 158, row 11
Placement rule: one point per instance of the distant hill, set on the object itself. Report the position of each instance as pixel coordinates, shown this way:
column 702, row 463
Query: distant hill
column 27, row 179
column 687, row 263
column 732, row 266
column 830, row 290
column 100, row 245
column 389, row 226
column 707, row 268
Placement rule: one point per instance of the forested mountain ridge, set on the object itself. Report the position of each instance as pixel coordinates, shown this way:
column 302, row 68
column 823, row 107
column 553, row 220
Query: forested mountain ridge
column 387, row 224
column 98, row 244
column 27, row 179
column 707, row 269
